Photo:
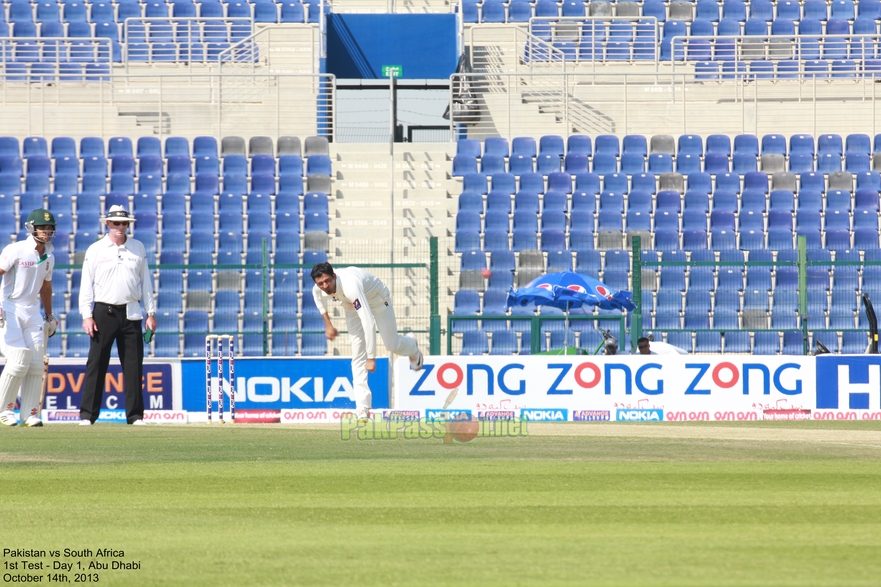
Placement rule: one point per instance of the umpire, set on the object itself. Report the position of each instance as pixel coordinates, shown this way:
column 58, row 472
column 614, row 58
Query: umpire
column 116, row 281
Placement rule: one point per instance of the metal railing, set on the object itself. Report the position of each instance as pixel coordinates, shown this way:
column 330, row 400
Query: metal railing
column 805, row 303
column 423, row 320
column 805, row 321
column 46, row 52
column 185, row 104
column 578, row 42
column 806, row 50
column 502, row 104
column 537, row 330
column 189, row 40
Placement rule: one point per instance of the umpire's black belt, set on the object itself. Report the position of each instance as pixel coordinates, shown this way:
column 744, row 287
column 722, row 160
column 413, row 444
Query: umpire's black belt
column 121, row 308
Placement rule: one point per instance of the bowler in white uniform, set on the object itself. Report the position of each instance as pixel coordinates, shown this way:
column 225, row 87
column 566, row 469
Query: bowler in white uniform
column 365, row 299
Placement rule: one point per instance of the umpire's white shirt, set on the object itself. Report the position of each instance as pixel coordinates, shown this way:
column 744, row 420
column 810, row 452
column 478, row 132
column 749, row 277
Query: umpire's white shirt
column 116, row 275
column 25, row 273
column 357, row 290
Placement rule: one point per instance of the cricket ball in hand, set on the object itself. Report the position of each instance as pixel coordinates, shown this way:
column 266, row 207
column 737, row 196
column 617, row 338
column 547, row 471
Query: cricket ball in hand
column 486, row 273
column 463, row 428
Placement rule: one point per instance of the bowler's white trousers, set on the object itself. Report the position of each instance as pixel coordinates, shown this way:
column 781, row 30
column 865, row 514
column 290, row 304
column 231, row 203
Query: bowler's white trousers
column 384, row 315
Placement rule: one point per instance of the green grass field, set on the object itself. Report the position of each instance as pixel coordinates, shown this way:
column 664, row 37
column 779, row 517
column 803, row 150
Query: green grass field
column 567, row 505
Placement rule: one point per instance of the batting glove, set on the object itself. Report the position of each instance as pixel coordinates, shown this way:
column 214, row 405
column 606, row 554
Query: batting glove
column 2, row 318
column 51, row 325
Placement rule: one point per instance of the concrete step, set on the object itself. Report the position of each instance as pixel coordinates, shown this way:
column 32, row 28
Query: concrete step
column 439, row 184
column 362, row 213
column 403, row 162
column 62, row 120
column 355, row 214
column 373, row 208
column 399, row 175
column 379, row 229
column 401, row 150
column 400, row 7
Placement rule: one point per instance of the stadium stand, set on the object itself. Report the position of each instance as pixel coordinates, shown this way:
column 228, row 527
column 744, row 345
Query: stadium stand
column 745, row 216
column 176, row 227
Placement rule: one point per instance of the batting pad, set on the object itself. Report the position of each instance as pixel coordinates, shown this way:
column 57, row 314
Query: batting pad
column 17, row 361
column 31, row 388
column 35, row 366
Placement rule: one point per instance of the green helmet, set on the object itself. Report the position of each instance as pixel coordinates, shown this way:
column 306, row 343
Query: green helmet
column 40, row 217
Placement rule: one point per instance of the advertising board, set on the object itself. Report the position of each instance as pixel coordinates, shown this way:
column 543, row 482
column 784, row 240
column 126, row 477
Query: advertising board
column 265, row 384
column 647, row 388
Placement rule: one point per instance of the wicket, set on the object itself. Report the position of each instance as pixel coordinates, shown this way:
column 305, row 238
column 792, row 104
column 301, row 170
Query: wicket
column 209, row 347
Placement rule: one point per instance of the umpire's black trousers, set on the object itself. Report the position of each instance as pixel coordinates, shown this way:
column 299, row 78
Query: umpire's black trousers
column 113, row 326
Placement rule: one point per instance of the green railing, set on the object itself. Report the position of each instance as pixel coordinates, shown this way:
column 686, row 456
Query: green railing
column 802, row 264
column 535, row 332
column 432, row 326
column 805, row 323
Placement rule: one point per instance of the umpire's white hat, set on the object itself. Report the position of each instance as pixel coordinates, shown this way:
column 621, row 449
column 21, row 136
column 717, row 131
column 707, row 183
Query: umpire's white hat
column 118, row 213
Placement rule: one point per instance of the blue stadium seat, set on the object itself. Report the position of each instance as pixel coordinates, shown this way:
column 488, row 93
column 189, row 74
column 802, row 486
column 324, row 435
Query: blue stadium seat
column 828, row 163
column 815, row 9
column 265, row 12
column 842, row 9
column 656, row 9
column 580, row 144
column 63, row 147
column 475, row 343
column 661, row 163
column 206, row 164
column 496, row 202
column 463, row 165
column 672, row 28
column 150, row 164
column 708, row 342
column 74, row 12
column 179, row 164
column 524, row 146
column 195, row 329
column 857, row 162
column 607, row 144
column 489, row 164
column 803, row 162
column 551, row 145
column 688, row 163
column 504, row 342
column 152, row 147
column 709, row 10
column 858, row 142
column 204, row 146
column 615, row 182
column 156, row 9
column 727, row 183
column 526, row 203
column 643, row 182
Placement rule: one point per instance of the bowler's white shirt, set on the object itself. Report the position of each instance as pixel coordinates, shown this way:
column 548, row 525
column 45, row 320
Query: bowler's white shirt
column 117, row 275
column 357, row 290
column 24, row 272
